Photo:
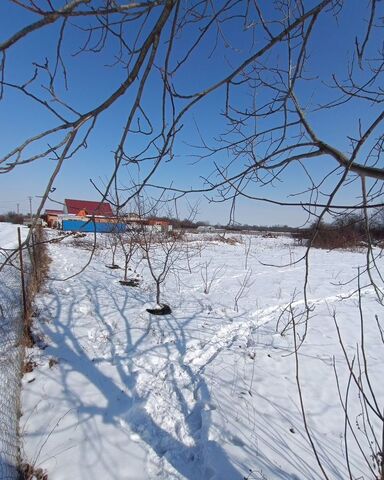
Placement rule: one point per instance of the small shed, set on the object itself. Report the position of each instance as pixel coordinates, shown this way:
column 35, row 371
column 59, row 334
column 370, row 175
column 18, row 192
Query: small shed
column 158, row 224
column 52, row 217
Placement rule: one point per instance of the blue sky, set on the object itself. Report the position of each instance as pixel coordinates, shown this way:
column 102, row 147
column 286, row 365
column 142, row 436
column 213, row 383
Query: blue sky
column 90, row 81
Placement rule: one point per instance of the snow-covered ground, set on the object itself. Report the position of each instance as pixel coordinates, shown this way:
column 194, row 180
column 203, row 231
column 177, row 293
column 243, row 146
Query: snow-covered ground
column 8, row 235
column 208, row 392
column 10, row 351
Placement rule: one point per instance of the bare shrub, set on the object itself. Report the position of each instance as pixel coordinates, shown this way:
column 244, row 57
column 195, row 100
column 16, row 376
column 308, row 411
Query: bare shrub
column 30, row 472
column 29, row 366
column 209, row 276
column 331, row 236
column 228, row 240
column 84, row 244
column 244, row 286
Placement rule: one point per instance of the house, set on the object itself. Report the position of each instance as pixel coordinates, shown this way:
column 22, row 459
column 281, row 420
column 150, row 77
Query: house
column 51, row 217
column 88, row 216
column 157, row 224
column 84, row 208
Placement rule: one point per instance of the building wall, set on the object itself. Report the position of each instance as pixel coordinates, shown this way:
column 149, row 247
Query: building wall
column 90, row 226
column 52, row 220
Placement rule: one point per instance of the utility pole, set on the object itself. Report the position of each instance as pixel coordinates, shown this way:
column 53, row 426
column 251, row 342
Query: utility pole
column 18, row 208
column 30, row 207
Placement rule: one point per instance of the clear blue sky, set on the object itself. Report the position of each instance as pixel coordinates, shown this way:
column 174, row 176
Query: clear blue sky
column 91, row 80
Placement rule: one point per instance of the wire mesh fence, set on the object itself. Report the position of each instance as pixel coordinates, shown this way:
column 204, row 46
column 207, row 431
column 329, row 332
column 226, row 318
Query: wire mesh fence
column 17, row 285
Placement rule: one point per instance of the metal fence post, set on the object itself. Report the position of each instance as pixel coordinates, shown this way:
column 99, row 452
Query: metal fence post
column 22, row 273
column 34, row 257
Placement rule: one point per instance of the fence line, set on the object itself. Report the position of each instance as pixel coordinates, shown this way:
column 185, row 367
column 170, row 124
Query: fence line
column 20, row 278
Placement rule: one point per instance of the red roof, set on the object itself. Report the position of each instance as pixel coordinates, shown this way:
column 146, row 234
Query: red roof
column 92, row 208
column 49, row 211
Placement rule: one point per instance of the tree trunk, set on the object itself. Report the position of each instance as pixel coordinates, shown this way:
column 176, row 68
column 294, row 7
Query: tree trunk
column 125, row 269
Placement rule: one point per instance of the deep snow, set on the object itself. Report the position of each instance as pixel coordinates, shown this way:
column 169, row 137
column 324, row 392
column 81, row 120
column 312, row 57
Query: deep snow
column 207, row 392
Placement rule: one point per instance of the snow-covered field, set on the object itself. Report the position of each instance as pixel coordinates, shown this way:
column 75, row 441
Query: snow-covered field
column 210, row 391
column 10, row 351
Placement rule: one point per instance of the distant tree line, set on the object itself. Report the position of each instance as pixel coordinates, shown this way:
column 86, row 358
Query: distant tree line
column 347, row 231
column 12, row 217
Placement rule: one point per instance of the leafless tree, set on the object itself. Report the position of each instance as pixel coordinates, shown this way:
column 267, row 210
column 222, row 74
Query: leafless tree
column 358, row 394
column 247, row 249
column 124, row 238
column 129, row 244
column 162, row 250
column 277, row 102
column 272, row 58
column 209, row 275
column 271, row 135
column 160, row 247
column 366, row 425
column 112, row 241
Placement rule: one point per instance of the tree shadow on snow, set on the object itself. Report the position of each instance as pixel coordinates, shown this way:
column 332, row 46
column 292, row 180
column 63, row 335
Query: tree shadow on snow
column 150, row 390
column 122, row 401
